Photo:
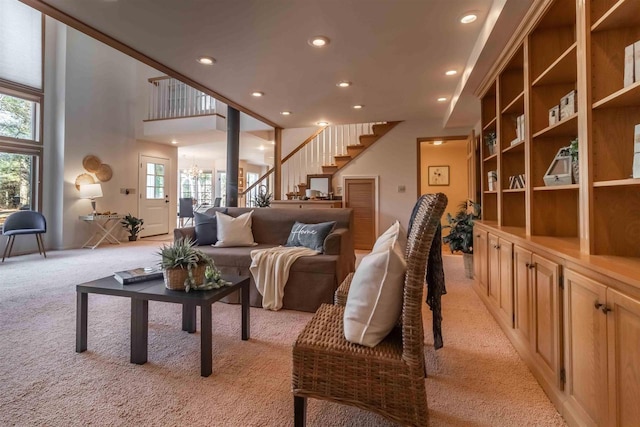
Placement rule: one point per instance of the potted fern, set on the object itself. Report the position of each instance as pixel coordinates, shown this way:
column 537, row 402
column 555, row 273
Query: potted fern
column 133, row 225
column 184, row 268
column 460, row 237
column 263, row 198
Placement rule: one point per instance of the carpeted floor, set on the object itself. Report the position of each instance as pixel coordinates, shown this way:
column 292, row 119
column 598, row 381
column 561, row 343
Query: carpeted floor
column 477, row 379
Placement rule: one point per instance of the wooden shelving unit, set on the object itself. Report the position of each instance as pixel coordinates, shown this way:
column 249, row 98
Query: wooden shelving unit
column 557, row 249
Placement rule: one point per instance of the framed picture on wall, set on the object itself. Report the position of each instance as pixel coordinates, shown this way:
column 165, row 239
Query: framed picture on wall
column 438, row 175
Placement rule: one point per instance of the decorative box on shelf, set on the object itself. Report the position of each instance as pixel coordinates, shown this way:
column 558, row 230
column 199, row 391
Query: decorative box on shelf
column 636, row 152
column 568, row 105
column 492, row 180
column 559, row 172
column 516, row 181
column 554, row 115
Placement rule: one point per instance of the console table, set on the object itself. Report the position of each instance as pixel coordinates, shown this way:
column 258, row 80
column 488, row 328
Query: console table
column 103, row 226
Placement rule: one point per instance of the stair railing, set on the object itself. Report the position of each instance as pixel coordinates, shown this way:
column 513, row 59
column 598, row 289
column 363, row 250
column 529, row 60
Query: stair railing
column 318, row 150
column 170, row 98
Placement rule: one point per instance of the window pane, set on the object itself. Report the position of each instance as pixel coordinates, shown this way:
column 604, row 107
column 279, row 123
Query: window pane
column 17, row 117
column 150, row 181
column 16, row 180
column 159, row 169
column 160, row 181
column 151, row 169
column 20, row 43
column 150, row 192
column 159, row 193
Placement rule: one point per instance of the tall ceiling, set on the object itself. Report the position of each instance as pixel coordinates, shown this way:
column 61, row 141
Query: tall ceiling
column 395, row 52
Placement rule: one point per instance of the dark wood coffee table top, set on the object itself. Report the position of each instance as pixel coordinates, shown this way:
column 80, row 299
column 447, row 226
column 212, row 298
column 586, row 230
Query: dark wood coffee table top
column 155, row 290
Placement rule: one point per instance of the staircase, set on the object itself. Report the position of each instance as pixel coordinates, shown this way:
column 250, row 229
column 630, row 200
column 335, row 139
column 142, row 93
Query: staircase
column 353, row 151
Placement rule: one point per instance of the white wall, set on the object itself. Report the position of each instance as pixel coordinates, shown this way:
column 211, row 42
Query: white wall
column 92, row 107
column 293, row 137
column 393, row 158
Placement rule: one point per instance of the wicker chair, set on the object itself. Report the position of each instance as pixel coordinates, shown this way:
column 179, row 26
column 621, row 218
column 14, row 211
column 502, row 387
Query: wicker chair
column 387, row 379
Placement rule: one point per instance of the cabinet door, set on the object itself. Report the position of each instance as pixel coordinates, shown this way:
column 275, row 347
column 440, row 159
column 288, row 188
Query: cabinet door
column 522, row 293
column 480, row 259
column 546, row 334
column 493, row 250
column 585, row 330
column 623, row 327
column 505, row 307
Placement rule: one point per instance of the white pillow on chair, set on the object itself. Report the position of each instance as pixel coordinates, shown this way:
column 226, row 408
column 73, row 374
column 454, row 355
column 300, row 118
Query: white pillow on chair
column 234, row 231
column 374, row 303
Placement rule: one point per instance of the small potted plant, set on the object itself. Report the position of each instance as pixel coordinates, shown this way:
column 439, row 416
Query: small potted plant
column 490, row 140
column 460, row 237
column 184, row 268
column 133, row 225
column 263, row 199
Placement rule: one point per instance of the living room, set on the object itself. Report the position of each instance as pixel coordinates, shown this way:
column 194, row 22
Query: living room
column 543, row 252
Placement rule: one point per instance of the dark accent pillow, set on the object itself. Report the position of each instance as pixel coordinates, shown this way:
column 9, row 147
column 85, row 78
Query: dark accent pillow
column 206, row 228
column 310, row 235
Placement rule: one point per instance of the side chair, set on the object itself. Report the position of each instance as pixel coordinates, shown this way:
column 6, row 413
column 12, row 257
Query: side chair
column 388, row 379
column 24, row 222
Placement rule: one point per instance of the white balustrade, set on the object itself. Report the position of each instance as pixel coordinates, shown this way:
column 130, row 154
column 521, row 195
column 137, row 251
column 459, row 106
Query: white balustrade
column 170, row 98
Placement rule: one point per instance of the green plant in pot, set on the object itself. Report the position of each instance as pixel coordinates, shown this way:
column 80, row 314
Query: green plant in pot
column 460, row 237
column 133, row 225
column 184, row 268
column 263, row 198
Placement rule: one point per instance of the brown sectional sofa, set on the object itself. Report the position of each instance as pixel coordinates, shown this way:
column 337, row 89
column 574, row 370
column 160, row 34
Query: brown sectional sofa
column 312, row 280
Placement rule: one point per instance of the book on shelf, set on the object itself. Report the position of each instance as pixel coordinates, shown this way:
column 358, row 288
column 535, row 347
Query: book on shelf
column 137, row 275
column 628, row 66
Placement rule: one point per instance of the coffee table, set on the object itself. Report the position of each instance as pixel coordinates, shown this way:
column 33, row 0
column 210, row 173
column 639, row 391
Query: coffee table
column 154, row 290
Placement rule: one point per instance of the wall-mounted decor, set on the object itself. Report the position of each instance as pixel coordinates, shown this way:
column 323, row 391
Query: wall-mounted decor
column 91, row 163
column 104, row 172
column 84, row 178
column 438, row 175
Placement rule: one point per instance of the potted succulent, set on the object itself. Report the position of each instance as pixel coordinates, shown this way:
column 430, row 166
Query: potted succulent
column 490, row 140
column 133, row 225
column 184, row 268
column 460, row 237
column 263, row 198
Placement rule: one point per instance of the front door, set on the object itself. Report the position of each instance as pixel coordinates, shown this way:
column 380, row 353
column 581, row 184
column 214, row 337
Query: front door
column 360, row 195
column 154, row 195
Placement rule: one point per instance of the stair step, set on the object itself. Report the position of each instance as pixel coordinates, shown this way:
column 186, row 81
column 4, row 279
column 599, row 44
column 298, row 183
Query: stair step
column 342, row 160
column 367, row 140
column 380, row 130
column 329, row 168
column 354, row 150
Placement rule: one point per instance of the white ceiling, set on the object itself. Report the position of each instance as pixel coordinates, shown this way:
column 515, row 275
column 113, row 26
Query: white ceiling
column 394, row 51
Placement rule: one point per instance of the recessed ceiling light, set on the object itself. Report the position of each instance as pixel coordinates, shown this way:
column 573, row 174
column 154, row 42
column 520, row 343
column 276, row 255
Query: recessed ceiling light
column 469, row 17
column 442, row 99
column 174, row 142
column 273, row 143
column 261, row 148
column 319, row 41
column 206, row 60
column 451, row 73
column 285, row 113
column 358, row 107
column 344, row 83
column 437, row 142
column 257, row 94
column 322, row 123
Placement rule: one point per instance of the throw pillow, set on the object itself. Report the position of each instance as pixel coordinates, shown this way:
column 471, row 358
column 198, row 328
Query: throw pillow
column 206, row 228
column 310, row 235
column 374, row 303
column 234, row 231
column 393, row 232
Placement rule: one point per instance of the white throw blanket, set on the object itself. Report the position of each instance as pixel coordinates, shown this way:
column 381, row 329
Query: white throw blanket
column 270, row 270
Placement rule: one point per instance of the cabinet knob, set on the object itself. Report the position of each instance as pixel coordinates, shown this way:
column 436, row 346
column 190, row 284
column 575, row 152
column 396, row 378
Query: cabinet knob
column 531, row 266
column 497, row 246
column 597, row 305
column 605, row 309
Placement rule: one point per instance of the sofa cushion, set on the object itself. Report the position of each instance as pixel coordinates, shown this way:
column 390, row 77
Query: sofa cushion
column 206, row 228
column 310, row 235
column 234, row 231
column 374, row 302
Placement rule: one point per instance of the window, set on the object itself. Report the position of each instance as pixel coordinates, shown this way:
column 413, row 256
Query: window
column 20, row 99
column 199, row 188
column 155, row 181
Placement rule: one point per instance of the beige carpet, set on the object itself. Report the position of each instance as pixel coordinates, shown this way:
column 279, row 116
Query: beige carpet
column 477, row 379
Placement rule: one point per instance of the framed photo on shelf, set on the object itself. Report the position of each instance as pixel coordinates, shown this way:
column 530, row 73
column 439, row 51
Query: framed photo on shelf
column 438, row 175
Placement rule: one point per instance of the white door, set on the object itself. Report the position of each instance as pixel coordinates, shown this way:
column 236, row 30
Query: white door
column 154, row 195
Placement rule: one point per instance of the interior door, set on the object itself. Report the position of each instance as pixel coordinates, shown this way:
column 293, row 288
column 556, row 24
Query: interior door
column 154, row 195
column 360, row 195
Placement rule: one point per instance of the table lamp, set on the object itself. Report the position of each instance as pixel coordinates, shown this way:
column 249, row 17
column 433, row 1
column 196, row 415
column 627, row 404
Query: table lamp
column 91, row 191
